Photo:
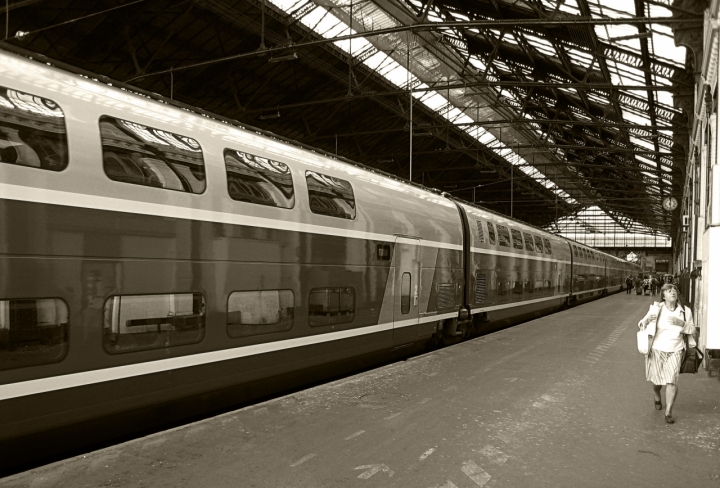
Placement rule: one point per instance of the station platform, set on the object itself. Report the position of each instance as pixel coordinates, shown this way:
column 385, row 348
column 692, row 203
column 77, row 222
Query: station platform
column 559, row 401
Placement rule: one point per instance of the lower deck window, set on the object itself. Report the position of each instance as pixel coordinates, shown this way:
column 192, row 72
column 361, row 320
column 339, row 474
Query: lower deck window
column 260, row 312
column 330, row 306
column 32, row 331
column 141, row 322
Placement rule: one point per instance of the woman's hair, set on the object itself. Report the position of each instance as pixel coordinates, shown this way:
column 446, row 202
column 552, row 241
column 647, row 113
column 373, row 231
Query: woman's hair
column 671, row 286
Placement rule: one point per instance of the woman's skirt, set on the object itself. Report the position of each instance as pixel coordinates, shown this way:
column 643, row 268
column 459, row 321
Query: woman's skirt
column 663, row 367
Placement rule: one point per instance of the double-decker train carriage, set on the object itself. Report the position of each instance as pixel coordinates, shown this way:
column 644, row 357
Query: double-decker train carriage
column 157, row 263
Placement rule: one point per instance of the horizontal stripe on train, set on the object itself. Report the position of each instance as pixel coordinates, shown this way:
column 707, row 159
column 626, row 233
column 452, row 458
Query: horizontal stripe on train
column 81, row 200
column 54, row 383
column 493, row 252
column 562, row 296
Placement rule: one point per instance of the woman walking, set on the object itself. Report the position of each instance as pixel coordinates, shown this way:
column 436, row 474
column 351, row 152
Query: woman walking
column 662, row 363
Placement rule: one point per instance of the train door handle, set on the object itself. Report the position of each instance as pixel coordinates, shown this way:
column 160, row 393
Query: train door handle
column 415, row 297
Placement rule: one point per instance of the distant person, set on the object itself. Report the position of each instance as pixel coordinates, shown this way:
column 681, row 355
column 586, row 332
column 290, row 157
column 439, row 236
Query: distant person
column 666, row 322
column 653, row 285
column 628, row 284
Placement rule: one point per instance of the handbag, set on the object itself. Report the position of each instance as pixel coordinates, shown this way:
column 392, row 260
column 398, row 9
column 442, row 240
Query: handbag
column 643, row 337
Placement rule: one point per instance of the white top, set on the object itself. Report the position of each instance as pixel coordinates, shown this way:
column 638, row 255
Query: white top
column 669, row 338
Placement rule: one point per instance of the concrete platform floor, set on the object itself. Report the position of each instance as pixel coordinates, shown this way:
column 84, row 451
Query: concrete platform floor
column 560, row 401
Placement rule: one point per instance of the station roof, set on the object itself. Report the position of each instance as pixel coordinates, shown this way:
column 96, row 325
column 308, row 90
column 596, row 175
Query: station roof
column 561, row 113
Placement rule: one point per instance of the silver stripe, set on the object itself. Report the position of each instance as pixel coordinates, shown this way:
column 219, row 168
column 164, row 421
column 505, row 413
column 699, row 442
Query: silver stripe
column 588, row 291
column 516, row 304
column 54, row 383
column 494, row 252
column 81, row 200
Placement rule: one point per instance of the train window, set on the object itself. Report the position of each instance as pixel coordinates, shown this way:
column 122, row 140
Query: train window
column 383, row 252
column 405, row 287
column 141, row 155
column 481, row 234
column 528, row 242
column 258, row 180
column 260, row 312
column 32, row 131
column 142, row 322
column 548, row 249
column 502, row 288
column 575, row 250
column 32, row 331
column 528, row 287
column 538, row 244
column 517, row 239
column 491, row 233
column 329, row 306
column 517, row 287
column 503, row 235
column 330, row 196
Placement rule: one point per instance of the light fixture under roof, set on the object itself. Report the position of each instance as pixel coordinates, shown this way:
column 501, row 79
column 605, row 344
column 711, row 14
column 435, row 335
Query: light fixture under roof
column 275, row 115
column 285, row 57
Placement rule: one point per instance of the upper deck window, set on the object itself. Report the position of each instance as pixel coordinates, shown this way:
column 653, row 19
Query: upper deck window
column 538, row 244
column 481, row 234
column 141, row 155
column 503, row 235
column 548, row 249
column 491, row 233
column 32, row 131
column 528, row 242
column 517, row 239
column 258, row 180
column 330, row 196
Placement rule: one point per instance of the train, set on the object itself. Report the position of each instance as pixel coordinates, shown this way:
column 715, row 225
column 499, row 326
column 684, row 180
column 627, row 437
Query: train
column 157, row 263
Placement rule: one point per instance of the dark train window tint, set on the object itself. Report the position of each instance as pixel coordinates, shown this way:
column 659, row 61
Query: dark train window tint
column 517, row 239
column 503, row 287
column 517, row 287
column 141, row 322
column 548, row 249
column 330, row 196
column 329, row 306
column 491, row 233
column 528, row 242
column 503, row 235
column 575, row 250
column 538, row 244
column 258, row 180
column 32, row 331
column 141, row 155
column 260, row 312
column 481, row 234
column 383, row 252
column 32, row 131
column 405, row 287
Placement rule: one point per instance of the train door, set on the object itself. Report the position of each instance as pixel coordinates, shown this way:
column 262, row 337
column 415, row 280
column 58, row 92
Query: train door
column 407, row 291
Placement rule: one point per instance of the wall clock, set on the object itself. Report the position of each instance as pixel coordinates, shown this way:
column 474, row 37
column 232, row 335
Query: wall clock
column 669, row 203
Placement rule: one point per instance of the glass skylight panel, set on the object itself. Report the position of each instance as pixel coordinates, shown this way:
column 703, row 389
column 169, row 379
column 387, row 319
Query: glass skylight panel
column 541, row 44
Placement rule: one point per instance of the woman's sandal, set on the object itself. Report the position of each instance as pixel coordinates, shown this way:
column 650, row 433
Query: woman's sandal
column 669, row 419
column 658, row 405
